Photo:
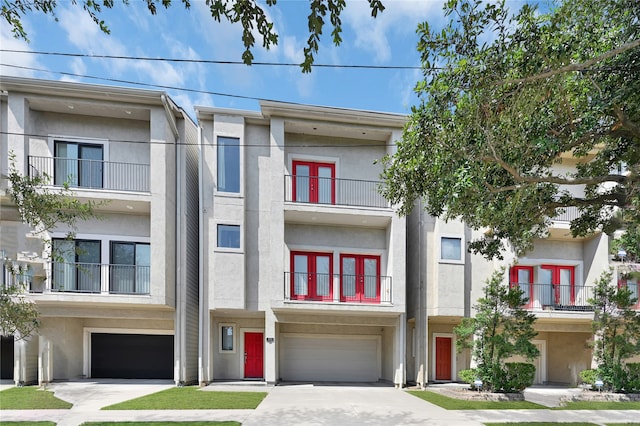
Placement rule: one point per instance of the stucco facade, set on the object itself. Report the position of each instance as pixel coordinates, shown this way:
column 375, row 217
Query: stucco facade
column 125, row 273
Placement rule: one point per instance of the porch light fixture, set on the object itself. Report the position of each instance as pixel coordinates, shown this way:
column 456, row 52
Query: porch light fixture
column 270, row 339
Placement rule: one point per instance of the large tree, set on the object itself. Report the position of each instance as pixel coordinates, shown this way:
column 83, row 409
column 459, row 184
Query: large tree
column 248, row 13
column 524, row 114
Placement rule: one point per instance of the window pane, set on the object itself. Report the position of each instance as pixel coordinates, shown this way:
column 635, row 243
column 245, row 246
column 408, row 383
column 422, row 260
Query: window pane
column 302, row 183
column 229, row 236
column 348, row 277
column 227, row 338
column 451, row 249
column 88, row 255
column 325, row 183
column 322, row 275
column 229, row 164
column 300, row 270
column 90, row 173
column 66, row 164
column 370, row 278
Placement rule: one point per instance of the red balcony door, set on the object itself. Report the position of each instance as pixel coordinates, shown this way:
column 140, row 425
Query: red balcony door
column 314, row 182
column 443, row 358
column 253, row 355
column 360, row 278
column 522, row 276
column 562, row 278
column 311, row 277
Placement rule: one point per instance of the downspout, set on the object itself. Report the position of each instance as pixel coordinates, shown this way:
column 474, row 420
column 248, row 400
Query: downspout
column 201, row 305
column 179, row 377
column 422, row 349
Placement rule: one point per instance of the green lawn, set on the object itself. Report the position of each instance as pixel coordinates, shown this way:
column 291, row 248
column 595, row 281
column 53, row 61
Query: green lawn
column 461, row 404
column 160, row 423
column 30, row 398
column 540, row 424
column 192, row 398
column 599, row 405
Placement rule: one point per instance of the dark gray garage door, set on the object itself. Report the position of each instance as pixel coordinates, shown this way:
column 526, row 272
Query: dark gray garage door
column 6, row 358
column 131, row 356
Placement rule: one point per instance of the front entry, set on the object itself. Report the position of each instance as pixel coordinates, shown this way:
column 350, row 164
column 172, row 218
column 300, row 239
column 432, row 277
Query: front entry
column 443, row 358
column 253, row 355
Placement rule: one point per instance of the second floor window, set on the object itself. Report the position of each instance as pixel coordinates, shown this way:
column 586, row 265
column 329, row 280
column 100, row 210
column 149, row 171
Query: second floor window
column 228, row 164
column 229, row 236
column 129, row 269
column 76, row 265
column 314, row 182
column 78, row 164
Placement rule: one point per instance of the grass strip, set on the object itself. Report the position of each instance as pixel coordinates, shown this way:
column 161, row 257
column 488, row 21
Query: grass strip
column 599, row 405
column 30, row 398
column 227, row 423
column 192, row 398
column 462, row 404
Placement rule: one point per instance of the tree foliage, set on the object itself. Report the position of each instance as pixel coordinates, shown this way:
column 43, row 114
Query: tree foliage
column 43, row 209
column 616, row 328
column 248, row 13
column 500, row 329
column 523, row 115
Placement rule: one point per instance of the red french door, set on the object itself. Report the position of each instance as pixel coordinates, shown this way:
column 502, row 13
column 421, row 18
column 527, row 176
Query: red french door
column 522, row 276
column 562, row 279
column 359, row 278
column 311, row 276
column 314, row 182
column 443, row 358
column 253, row 355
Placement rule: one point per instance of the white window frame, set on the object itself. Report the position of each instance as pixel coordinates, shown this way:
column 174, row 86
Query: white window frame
column 234, row 340
column 228, row 249
column 217, row 191
column 462, row 249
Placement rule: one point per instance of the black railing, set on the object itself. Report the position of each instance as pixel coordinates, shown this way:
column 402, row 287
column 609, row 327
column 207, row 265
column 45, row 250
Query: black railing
column 304, row 286
column 77, row 277
column 557, row 297
column 91, row 174
column 332, row 191
column 566, row 214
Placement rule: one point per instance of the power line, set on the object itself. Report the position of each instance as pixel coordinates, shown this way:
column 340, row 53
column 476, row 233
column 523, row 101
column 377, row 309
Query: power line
column 211, row 61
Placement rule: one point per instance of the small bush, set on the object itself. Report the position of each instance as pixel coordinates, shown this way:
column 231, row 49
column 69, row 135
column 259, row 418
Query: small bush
column 589, row 377
column 633, row 377
column 469, row 376
column 518, row 376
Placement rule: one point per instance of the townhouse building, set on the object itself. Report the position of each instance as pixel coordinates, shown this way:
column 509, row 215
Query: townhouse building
column 445, row 281
column 119, row 299
column 304, row 261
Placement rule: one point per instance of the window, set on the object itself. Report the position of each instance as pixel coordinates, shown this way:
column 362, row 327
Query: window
column 360, row 278
column 77, row 265
column 229, row 236
column 631, row 283
column 78, row 164
column 228, row 164
column 314, row 182
column 311, row 276
column 522, row 276
column 559, row 284
column 227, row 338
column 451, row 249
column 129, row 268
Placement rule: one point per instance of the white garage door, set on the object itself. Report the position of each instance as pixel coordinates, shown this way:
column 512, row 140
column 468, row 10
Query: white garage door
column 329, row 358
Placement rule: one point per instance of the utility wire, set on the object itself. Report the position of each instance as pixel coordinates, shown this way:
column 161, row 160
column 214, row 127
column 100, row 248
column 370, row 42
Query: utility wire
column 210, row 61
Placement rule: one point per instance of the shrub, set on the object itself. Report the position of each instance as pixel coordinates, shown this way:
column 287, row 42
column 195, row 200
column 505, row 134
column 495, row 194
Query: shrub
column 518, row 376
column 633, row 377
column 589, row 377
column 469, row 376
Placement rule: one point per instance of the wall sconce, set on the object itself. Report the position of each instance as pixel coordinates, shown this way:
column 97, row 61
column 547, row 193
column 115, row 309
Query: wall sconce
column 270, row 339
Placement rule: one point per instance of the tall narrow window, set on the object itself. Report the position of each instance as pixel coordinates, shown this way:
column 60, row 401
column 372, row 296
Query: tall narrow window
column 227, row 338
column 522, row 277
column 130, row 267
column 311, row 276
column 314, row 182
column 77, row 265
column 78, row 164
column 228, row 164
column 360, row 278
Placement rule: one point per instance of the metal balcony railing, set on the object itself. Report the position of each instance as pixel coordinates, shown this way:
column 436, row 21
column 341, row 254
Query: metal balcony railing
column 92, row 174
column 332, row 191
column 556, row 297
column 304, row 286
column 569, row 214
column 99, row 278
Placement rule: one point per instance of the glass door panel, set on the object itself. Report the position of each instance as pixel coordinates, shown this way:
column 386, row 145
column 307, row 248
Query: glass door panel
column 300, row 276
column 301, row 182
column 122, row 267
column 66, row 164
column 545, row 277
column 64, row 268
column 371, row 278
column 323, row 277
column 88, row 255
column 325, row 185
column 348, row 277
column 90, row 166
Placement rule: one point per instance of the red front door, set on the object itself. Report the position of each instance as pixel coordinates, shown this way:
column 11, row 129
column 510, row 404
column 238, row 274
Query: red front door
column 253, row 355
column 443, row 358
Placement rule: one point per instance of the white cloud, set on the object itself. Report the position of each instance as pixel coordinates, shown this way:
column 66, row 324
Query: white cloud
column 7, row 41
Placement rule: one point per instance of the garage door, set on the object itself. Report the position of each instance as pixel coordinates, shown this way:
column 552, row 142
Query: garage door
column 131, row 356
column 6, row 358
column 329, row 358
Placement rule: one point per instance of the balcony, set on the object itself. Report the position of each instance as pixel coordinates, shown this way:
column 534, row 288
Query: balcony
column 98, row 278
column 91, row 174
column 569, row 214
column 337, row 288
column 332, row 191
column 557, row 297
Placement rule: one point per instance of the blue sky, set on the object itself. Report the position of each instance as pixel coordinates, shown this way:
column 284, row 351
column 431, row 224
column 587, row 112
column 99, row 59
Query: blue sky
column 192, row 34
